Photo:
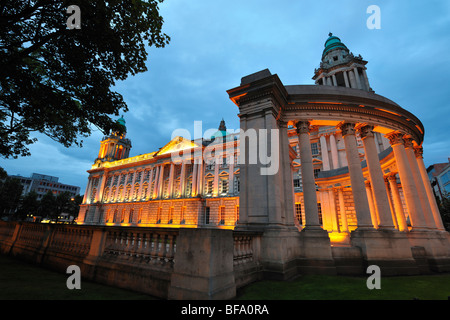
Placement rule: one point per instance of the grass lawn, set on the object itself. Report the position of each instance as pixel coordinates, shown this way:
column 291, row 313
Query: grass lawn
column 23, row 281
column 429, row 287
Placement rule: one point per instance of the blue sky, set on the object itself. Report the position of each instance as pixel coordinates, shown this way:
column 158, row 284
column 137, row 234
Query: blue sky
column 215, row 43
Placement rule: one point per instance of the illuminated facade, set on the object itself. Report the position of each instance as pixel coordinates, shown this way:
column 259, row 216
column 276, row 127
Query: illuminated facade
column 350, row 172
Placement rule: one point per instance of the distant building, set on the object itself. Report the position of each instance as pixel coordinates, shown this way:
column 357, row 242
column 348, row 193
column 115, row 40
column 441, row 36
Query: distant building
column 439, row 175
column 41, row 184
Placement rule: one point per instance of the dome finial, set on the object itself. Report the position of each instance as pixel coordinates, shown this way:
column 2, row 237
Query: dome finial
column 330, row 34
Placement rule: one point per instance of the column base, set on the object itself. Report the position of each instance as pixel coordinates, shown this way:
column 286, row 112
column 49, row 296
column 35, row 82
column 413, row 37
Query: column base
column 315, row 256
column 388, row 249
column 436, row 245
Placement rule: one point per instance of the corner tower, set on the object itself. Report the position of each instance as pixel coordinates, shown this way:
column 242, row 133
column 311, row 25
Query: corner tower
column 114, row 146
column 339, row 67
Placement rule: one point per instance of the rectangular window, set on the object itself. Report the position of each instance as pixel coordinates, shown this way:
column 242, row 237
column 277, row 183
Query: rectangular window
column 314, row 149
column 319, row 209
column 316, row 173
column 224, row 186
column 297, row 183
column 209, row 186
column 207, row 212
column 222, row 214
column 182, row 213
column 170, row 215
column 298, row 212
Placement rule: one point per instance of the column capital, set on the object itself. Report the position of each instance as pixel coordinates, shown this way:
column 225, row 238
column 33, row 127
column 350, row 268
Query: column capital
column 408, row 142
column 303, row 127
column 347, row 128
column 365, row 130
column 367, row 183
column 391, row 176
column 418, row 151
column 395, row 138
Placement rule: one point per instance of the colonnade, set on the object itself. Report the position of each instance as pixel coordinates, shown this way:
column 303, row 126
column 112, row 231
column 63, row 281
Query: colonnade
column 351, row 76
column 374, row 205
column 161, row 181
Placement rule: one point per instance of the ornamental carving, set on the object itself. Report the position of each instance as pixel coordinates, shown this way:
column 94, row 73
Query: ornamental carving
column 395, row 138
column 346, row 128
column 365, row 131
column 302, row 127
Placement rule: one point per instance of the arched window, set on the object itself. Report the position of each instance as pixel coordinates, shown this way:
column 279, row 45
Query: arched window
column 113, row 194
column 136, row 191
column 106, row 194
column 144, row 191
column 127, row 193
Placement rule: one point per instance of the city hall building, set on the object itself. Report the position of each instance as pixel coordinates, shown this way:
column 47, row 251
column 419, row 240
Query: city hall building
column 350, row 171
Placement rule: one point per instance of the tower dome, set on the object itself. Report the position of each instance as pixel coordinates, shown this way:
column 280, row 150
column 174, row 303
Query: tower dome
column 332, row 43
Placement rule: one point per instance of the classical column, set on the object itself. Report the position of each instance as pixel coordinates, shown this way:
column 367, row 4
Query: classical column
column 430, row 194
column 194, row 179
column 324, row 150
column 373, row 210
column 347, row 83
column 419, row 183
column 133, row 181
column 334, row 151
column 356, row 176
column 217, row 164
column 407, row 180
column 358, row 80
column 110, row 188
column 116, row 196
column 332, row 204
column 231, row 176
column 391, row 204
column 334, row 80
column 353, row 84
column 182, row 180
column 309, row 185
column 171, row 180
column 366, row 79
column 160, row 182
column 381, row 201
column 88, row 189
column 344, row 222
column 398, row 206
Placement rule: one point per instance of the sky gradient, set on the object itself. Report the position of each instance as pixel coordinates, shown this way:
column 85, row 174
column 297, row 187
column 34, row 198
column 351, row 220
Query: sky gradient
column 215, row 43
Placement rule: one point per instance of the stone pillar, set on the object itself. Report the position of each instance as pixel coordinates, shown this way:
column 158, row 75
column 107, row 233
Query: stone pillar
column 194, row 179
column 334, row 151
column 407, row 180
column 358, row 80
column 231, row 176
column 88, row 189
column 347, row 83
column 398, row 206
column 356, row 176
column 160, row 182
column 344, row 222
column 430, row 195
column 366, row 79
column 217, row 163
column 332, row 204
column 309, row 185
column 171, row 180
column 381, row 201
column 324, row 150
column 182, row 180
column 334, row 80
column 426, row 209
column 373, row 210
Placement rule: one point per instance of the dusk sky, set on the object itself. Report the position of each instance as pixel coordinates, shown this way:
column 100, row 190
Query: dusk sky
column 215, row 43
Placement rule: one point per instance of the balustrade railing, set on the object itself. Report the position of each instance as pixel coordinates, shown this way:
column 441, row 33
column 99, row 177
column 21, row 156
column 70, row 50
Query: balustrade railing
column 155, row 247
column 72, row 239
column 246, row 248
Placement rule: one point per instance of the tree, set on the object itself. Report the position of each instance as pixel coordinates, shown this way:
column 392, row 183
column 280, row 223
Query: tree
column 29, row 204
column 57, row 81
column 47, row 205
column 10, row 193
column 444, row 208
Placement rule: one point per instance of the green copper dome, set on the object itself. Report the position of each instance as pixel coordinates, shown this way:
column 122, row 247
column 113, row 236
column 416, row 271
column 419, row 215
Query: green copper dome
column 121, row 120
column 332, row 42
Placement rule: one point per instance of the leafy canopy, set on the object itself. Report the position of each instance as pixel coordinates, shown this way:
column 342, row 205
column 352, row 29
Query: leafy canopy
column 57, row 81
